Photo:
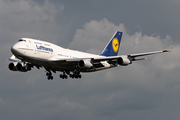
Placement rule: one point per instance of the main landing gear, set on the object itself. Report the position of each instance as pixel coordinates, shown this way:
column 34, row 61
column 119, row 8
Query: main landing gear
column 76, row 74
column 49, row 76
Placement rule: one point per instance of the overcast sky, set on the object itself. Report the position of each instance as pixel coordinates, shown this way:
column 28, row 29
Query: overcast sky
column 145, row 90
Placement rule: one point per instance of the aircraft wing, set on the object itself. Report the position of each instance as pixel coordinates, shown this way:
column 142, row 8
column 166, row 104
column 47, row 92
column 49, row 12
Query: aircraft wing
column 133, row 56
column 97, row 62
column 14, row 59
column 151, row 53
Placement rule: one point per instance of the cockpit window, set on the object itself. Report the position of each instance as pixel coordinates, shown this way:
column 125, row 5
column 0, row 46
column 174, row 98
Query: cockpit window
column 21, row 40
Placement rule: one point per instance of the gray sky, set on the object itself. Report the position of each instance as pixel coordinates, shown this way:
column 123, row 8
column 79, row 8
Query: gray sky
column 144, row 90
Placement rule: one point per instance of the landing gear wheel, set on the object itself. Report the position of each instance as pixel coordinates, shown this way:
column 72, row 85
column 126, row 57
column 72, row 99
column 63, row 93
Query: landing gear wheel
column 63, row 76
column 50, row 77
column 60, row 76
column 48, row 74
column 76, row 74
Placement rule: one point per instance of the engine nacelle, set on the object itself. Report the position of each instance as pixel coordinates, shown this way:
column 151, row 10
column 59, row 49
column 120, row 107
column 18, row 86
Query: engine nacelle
column 86, row 63
column 12, row 66
column 124, row 61
column 19, row 67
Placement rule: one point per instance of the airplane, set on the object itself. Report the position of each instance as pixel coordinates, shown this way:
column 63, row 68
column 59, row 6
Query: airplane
column 29, row 53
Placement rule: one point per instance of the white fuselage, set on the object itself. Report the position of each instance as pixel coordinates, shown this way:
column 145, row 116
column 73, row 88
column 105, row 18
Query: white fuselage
column 40, row 52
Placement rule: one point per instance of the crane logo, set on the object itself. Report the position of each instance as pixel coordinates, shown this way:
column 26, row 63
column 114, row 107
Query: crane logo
column 115, row 45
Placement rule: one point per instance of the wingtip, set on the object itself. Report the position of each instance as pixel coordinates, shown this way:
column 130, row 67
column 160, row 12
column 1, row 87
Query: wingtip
column 169, row 50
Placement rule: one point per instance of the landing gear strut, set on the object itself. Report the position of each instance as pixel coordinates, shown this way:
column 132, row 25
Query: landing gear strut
column 49, row 76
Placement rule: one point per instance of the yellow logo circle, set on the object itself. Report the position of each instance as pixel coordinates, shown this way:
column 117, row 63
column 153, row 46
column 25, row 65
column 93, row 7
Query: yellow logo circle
column 115, row 44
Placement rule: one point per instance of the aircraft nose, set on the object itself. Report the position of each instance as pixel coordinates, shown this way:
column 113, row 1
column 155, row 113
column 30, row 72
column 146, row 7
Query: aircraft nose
column 14, row 49
column 18, row 49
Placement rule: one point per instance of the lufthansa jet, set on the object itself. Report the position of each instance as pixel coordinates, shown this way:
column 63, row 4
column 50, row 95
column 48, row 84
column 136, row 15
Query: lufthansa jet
column 29, row 53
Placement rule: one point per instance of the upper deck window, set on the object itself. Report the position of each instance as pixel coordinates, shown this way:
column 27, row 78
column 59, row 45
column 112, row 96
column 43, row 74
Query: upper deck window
column 38, row 43
column 47, row 44
column 21, row 40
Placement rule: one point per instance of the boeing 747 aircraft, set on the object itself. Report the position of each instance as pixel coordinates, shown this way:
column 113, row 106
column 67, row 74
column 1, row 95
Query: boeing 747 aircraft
column 29, row 53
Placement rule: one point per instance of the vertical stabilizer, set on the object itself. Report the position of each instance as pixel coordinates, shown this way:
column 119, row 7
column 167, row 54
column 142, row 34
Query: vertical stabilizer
column 113, row 46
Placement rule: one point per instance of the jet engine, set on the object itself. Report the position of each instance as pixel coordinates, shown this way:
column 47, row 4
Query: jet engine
column 86, row 63
column 19, row 67
column 12, row 66
column 124, row 61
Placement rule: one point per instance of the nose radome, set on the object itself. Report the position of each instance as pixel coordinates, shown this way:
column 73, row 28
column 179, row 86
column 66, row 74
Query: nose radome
column 18, row 49
column 14, row 49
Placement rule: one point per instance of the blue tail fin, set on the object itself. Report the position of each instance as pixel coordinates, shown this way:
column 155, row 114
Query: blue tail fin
column 112, row 47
